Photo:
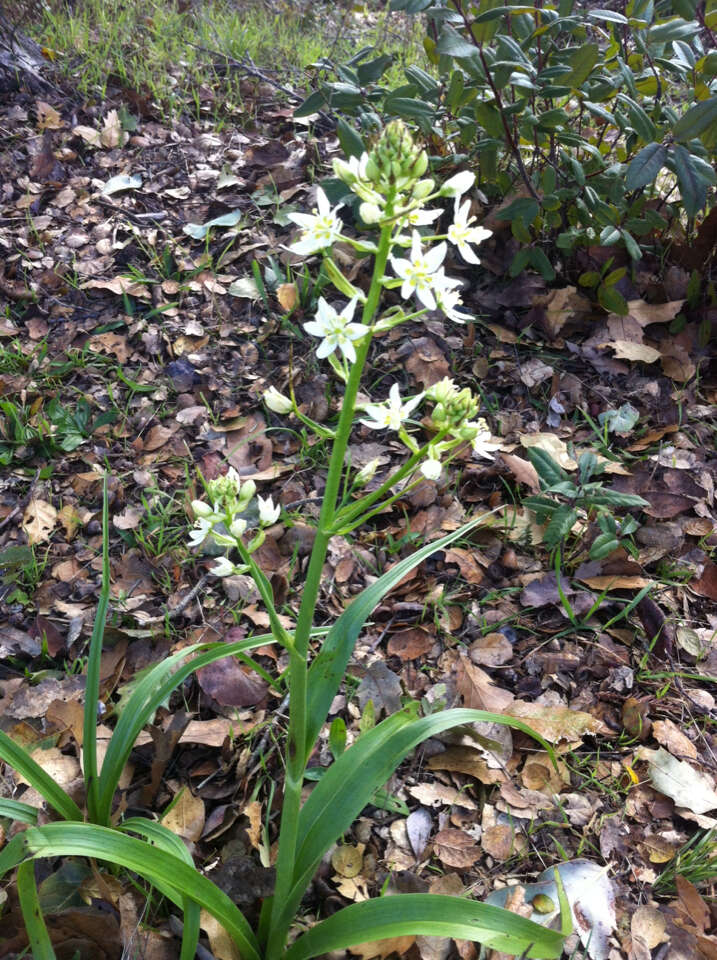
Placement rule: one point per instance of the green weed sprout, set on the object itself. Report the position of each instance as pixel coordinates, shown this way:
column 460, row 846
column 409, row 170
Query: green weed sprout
column 394, row 193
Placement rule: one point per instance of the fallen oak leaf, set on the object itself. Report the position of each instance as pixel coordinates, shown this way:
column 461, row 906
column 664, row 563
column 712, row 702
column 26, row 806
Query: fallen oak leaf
column 39, row 521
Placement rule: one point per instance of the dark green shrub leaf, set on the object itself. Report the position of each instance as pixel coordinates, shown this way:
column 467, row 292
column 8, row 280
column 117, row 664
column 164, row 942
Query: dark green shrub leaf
column 410, row 108
column 350, row 139
column 609, row 16
column 549, row 472
column 524, row 209
column 315, row 101
column 582, row 62
column 560, row 526
column 692, row 186
column 676, row 29
column 370, row 72
column 697, row 120
column 645, row 166
column 452, row 43
column 612, row 300
column 603, row 546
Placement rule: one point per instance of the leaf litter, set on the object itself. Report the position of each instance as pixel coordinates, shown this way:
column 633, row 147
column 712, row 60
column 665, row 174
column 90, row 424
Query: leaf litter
column 160, row 294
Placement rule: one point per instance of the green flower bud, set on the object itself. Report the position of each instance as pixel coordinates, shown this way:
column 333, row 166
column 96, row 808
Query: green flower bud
column 370, row 213
column 422, row 189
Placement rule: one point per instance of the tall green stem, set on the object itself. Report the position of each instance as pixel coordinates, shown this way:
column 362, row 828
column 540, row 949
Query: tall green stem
column 298, row 750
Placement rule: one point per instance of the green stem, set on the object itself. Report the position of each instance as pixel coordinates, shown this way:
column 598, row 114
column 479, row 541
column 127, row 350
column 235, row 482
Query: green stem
column 92, row 688
column 297, row 750
column 349, row 513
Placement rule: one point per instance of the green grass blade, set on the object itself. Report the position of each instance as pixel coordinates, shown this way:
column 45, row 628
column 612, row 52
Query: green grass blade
column 149, row 694
column 428, row 915
column 37, row 934
column 92, row 689
column 329, row 666
column 20, row 760
column 348, row 784
column 15, row 810
column 152, row 863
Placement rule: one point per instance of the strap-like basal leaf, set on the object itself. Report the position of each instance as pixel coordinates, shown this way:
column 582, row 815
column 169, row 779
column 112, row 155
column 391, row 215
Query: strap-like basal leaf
column 329, row 666
column 20, row 760
column 348, row 785
column 428, row 915
column 103, row 843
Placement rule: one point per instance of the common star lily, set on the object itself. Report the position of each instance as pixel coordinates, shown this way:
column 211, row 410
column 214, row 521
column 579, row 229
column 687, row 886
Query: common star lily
column 421, row 273
column 391, row 414
column 319, row 229
column 336, row 329
column 461, row 233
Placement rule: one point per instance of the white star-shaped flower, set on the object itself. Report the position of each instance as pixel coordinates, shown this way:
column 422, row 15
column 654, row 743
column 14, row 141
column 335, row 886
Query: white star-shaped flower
column 481, row 443
column 336, row 329
column 419, row 217
column 320, row 229
column 223, row 567
column 431, row 468
column 461, row 233
column 458, row 184
column 268, row 513
column 420, row 273
column 391, row 414
column 448, row 299
column 198, row 533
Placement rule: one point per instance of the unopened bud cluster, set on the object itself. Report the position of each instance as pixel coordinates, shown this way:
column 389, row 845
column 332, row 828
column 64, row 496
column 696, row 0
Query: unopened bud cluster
column 397, row 160
column 453, row 407
column 393, row 169
column 222, row 518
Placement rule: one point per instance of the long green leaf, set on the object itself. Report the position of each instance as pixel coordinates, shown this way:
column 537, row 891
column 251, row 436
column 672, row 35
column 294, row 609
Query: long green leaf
column 16, row 810
column 37, row 934
column 329, row 666
column 428, row 915
column 92, row 687
column 348, row 784
column 148, row 695
column 160, row 835
column 28, row 768
column 103, row 843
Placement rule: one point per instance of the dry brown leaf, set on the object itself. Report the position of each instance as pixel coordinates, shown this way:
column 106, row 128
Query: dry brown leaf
column 465, row 760
column 111, row 344
column 253, row 812
column 129, row 519
column 186, row 816
column 478, row 690
column 39, row 521
column 669, row 735
column 501, row 841
column 522, row 470
column 288, row 296
column 119, row 285
column 556, row 723
column 410, row 644
column 157, row 437
column 630, row 350
column 382, row 948
column 455, row 848
column 647, row 313
column 553, row 445
column 47, row 117
column 222, row 945
column 648, row 925
column 492, row 650
column 347, row 860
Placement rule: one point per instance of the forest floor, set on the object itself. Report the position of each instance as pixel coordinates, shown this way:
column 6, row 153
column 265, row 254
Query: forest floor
column 137, row 338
